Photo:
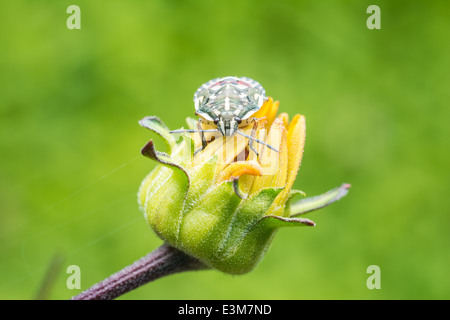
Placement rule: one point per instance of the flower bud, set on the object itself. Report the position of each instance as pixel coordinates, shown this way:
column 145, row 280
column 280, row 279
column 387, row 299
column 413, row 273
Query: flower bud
column 224, row 204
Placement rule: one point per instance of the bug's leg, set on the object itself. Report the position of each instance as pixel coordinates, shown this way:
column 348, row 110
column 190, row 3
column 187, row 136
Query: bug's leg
column 250, row 144
column 202, row 135
column 257, row 140
column 192, row 130
column 198, row 150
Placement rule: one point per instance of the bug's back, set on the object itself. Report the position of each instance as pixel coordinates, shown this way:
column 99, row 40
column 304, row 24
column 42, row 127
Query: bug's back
column 229, row 97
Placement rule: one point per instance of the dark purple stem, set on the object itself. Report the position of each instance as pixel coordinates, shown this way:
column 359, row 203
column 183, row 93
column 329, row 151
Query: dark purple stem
column 161, row 262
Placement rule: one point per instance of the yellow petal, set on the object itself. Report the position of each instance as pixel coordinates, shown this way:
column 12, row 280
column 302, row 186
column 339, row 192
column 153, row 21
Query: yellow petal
column 279, row 180
column 261, row 134
column 233, row 149
column 237, row 169
column 296, row 142
column 246, row 181
column 270, row 159
column 273, row 113
column 268, row 110
column 285, row 118
column 228, row 150
column 265, row 109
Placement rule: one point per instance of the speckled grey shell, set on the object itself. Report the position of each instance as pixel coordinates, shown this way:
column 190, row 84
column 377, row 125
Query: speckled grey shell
column 229, row 97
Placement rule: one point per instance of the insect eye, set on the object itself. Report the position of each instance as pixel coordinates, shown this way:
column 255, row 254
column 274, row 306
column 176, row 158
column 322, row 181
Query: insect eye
column 216, row 120
column 238, row 120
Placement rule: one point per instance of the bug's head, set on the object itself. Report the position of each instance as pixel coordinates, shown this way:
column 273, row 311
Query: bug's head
column 227, row 123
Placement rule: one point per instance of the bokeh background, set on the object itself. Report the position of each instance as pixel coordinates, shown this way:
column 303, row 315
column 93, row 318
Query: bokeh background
column 377, row 109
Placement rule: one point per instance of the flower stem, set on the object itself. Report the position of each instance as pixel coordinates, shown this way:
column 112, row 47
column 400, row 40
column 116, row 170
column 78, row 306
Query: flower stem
column 161, row 262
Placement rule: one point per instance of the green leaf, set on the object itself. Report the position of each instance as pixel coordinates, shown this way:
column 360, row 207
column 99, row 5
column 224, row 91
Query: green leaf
column 320, row 201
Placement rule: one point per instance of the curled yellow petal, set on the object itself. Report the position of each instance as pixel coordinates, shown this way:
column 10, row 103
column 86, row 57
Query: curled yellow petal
column 237, row 169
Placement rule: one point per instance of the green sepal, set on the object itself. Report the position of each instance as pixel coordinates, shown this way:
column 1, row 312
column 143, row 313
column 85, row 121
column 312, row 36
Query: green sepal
column 292, row 195
column 156, row 125
column 202, row 177
column 206, row 224
column 278, row 222
column 317, row 202
column 165, row 216
column 246, row 216
column 150, row 184
column 244, row 256
column 149, row 151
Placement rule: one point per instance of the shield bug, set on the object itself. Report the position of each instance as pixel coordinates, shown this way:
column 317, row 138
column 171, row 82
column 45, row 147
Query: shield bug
column 228, row 103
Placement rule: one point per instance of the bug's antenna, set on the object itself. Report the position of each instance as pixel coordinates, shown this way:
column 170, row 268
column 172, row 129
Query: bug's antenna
column 257, row 140
column 191, row 131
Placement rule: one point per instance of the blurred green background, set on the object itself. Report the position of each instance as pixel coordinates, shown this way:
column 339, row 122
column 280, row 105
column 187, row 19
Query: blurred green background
column 377, row 112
